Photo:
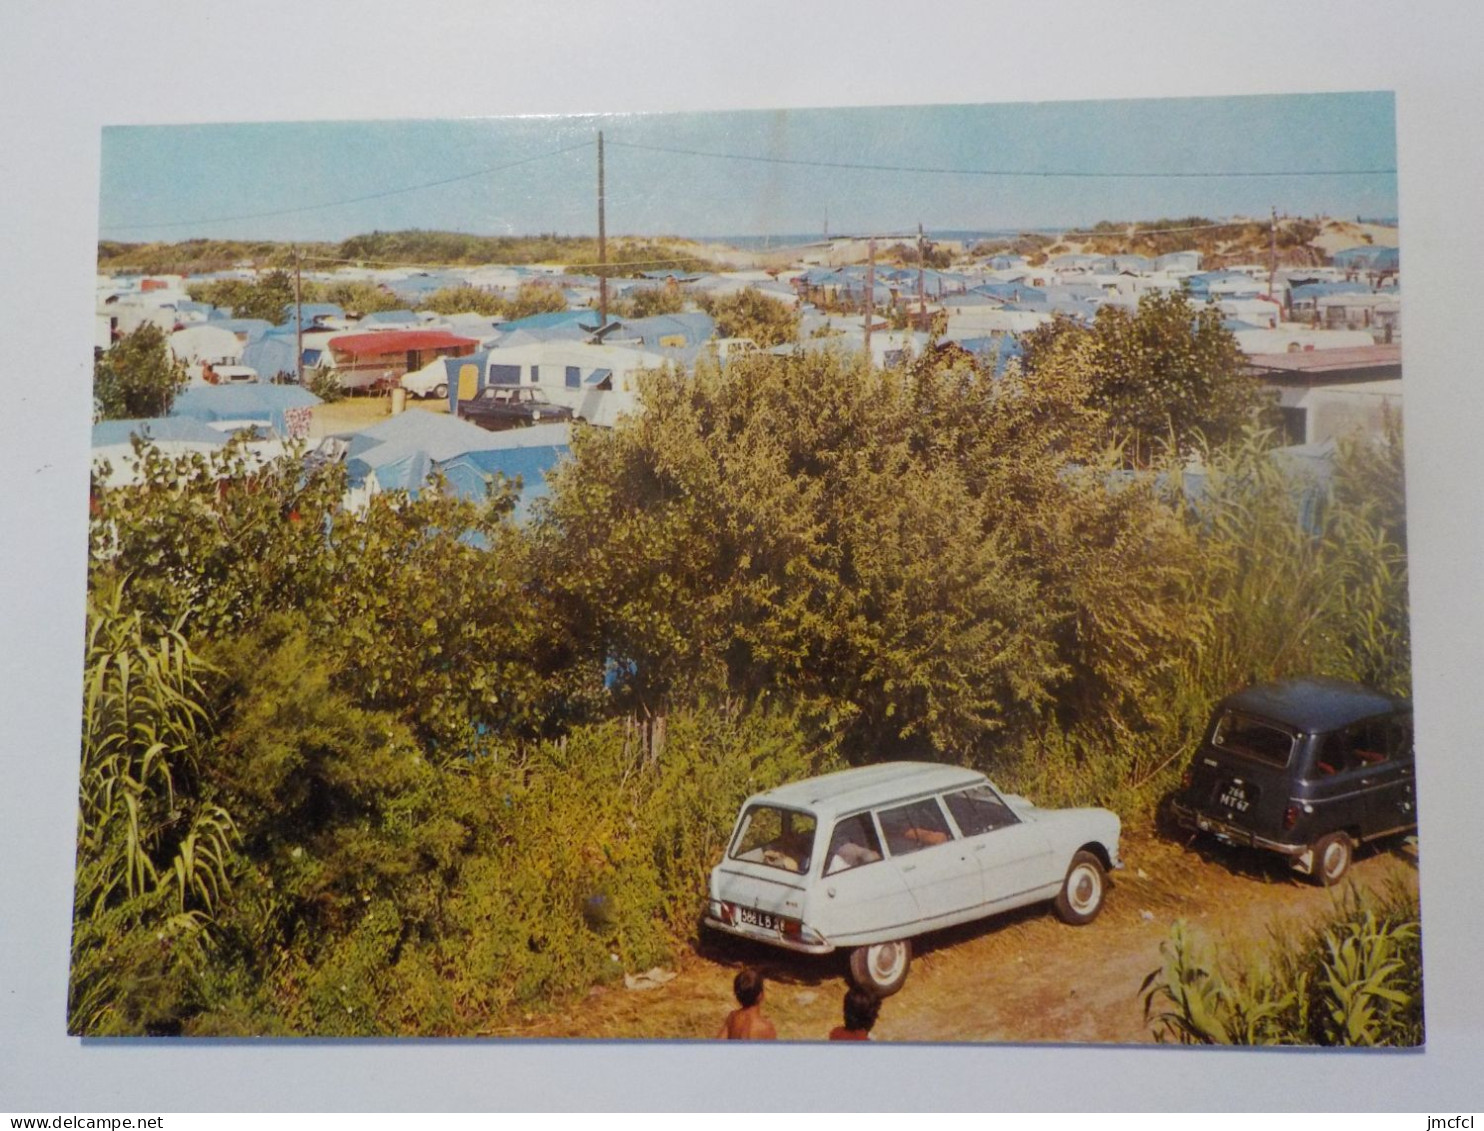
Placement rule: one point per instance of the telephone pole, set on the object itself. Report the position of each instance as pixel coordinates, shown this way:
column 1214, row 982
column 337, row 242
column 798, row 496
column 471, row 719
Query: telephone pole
column 870, row 292
column 298, row 320
column 921, row 291
column 1273, row 251
column 602, row 242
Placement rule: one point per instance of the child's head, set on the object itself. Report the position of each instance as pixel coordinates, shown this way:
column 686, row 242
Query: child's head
column 861, row 1008
column 748, row 986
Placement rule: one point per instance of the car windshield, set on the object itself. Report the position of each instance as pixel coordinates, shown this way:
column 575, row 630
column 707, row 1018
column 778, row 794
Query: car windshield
column 1254, row 738
column 779, row 838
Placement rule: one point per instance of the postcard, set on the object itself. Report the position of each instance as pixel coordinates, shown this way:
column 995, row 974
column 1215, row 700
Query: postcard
column 919, row 574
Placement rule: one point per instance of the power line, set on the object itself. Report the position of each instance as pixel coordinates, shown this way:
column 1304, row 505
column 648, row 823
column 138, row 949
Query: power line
column 348, row 200
column 869, row 167
column 567, row 267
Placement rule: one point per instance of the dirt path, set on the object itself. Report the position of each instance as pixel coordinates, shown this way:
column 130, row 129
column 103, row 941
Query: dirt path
column 1021, row 977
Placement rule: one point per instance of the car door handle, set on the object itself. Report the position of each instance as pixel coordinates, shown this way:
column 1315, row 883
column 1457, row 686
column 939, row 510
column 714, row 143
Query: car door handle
column 909, row 867
column 979, row 848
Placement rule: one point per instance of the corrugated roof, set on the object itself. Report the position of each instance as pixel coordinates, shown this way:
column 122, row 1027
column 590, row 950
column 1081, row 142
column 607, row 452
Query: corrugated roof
column 1325, row 361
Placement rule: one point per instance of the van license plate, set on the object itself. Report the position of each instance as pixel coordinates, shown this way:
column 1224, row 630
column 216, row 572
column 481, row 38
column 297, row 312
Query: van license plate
column 754, row 918
column 1234, row 797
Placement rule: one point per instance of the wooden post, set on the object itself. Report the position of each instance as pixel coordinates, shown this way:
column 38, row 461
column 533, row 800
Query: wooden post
column 298, row 320
column 602, row 242
column 921, row 290
column 870, row 292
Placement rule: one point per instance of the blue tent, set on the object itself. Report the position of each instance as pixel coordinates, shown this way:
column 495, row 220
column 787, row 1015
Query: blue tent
column 390, row 318
column 263, row 404
column 163, row 430
column 404, row 450
column 271, row 353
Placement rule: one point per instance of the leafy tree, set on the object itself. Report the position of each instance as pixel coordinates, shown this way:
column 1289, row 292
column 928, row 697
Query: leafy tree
column 644, row 302
column 1167, row 375
column 904, row 551
column 267, row 297
column 535, row 298
column 137, row 378
column 460, row 300
column 352, row 296
column 751, row 314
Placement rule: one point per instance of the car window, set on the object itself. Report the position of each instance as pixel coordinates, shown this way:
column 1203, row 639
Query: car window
column 1373, row 742
column 852, row 844
column 979, row 810
column 1256, row 738
column 918, row 825
column 779, row 838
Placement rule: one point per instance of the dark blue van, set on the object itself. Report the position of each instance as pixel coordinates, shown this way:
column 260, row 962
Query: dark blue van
column 1310, row 768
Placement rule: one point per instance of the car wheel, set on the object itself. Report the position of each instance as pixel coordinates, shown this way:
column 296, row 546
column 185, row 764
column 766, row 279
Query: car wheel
column 1081, row 895
column 1332, row 856
column 440, row 391
column 882, row 967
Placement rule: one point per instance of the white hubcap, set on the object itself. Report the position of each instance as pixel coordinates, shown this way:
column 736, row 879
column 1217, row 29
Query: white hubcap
column 885, row 961
column 1083, row 888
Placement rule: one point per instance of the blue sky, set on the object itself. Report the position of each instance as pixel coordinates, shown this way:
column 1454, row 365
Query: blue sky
column 747, row 173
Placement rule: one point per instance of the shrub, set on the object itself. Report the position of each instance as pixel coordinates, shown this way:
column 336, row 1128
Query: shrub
column 1354, row 979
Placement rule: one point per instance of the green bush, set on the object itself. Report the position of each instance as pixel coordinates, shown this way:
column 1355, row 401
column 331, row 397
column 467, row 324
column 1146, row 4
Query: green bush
column 1355, row 979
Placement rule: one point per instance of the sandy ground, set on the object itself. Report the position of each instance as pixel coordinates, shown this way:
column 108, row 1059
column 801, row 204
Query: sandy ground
column 1022, row 977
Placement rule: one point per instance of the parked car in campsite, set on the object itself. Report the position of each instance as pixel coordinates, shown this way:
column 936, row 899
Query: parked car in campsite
column 867, row 859
column 512, row 406
column 429, row 381
column 1310, row 768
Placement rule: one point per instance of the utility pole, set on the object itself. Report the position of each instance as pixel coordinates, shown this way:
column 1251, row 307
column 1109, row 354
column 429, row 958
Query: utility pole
column 602, row 242
column 870, row 292
column 921, row 291
column 1273, row 251
column 298, row 319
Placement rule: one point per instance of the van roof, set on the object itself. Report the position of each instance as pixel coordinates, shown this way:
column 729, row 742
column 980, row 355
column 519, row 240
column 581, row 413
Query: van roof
column 1314, row 705
column 868, row 786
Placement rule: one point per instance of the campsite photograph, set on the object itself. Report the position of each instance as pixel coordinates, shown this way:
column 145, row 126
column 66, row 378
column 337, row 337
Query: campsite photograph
column 900, row 574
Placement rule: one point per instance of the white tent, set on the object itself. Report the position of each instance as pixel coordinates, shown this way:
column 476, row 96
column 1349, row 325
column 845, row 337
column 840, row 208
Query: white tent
column 205, row 342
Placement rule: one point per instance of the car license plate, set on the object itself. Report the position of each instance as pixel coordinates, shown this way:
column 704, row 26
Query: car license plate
column 755, row 918
column 1234, row 797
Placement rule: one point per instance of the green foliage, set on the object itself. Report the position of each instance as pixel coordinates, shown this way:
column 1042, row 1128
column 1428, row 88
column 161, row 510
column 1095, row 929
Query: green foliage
column 878, row 545
column 355, row 297
column 1028, row 244
column 267, row 297
column 1168, row 376
column 324, row 383
column 749, row 313
column 644, row 302
column 154, row 850
column 534, row 298
column 1353, row 980
column 1367, row 631
column 195, row 257
column 137, row 377
column 461, row 300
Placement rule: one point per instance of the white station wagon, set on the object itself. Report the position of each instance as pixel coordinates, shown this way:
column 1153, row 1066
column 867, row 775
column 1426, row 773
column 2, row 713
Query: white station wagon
column 868, row 858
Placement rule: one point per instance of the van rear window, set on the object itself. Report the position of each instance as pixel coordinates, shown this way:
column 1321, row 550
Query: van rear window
column 779, row 838
column 1253, row 738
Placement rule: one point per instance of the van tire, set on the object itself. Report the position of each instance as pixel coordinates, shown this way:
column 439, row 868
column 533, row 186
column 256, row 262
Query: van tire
column 1081, row 895
column 440, row 392
column 1333, row 854
column 881, row 968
